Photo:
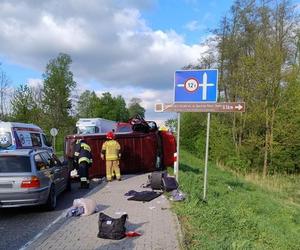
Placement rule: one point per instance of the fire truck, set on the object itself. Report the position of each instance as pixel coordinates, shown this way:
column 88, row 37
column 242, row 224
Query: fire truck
column 143, row 148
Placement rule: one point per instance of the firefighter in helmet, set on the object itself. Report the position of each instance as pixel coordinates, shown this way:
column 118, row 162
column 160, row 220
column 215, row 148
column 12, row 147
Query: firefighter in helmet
column 83, row 156
column 112, row 154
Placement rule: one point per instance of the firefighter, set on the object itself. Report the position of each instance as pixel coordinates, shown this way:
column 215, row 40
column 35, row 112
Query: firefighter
column 84, row 162
column 112, row 154
column 76, row 154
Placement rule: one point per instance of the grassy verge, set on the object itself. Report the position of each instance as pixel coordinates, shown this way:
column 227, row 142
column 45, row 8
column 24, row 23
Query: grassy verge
column 238, row 214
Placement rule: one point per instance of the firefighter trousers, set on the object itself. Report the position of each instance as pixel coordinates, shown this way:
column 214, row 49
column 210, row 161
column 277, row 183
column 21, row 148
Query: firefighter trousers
column 112, row 168
column 84, row 174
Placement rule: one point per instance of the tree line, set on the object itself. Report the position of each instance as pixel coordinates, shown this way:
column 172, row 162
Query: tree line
column 55, row 103
column 256, row 50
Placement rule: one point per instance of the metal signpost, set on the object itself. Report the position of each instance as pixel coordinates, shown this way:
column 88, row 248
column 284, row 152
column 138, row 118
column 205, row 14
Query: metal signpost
column 196, row 86
column 197, row 91
column 54, row 132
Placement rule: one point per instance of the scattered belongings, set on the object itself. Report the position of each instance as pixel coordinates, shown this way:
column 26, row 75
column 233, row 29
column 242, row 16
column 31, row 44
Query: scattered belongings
column 83, row 207
column 132, row 234
column 160, row 180
column 144, row 196
column 177, row 195
column 111, row 228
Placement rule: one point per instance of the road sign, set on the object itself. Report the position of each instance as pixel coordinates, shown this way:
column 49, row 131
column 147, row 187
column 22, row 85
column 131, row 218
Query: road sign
column 196, row 86
column 53, row 131
column 201, row 107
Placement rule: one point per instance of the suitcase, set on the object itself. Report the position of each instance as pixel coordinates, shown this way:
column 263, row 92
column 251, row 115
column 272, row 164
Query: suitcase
column 169, row 183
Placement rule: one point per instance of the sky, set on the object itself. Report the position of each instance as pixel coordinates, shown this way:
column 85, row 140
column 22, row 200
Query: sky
column 126, row 47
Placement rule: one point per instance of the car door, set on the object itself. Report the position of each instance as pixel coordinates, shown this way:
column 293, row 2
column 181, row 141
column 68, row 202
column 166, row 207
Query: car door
column 42, row 170
column 55, row 171
column 64, row 169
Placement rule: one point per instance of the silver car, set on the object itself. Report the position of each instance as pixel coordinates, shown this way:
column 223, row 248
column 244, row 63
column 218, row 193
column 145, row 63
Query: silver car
column 31, row 177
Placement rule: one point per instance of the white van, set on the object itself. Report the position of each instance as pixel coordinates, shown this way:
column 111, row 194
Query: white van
column 95, row 125
column 15, row 135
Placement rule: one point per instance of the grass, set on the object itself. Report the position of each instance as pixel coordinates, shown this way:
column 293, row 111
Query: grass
column 239, row 214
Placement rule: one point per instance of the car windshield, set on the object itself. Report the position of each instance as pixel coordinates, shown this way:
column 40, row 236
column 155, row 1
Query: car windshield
column 86, row 130
column 15, row 164
column 124, row 129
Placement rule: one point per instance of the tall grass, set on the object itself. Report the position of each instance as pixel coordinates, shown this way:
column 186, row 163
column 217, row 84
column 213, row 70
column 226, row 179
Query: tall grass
column 239, row 214
column 286, row 186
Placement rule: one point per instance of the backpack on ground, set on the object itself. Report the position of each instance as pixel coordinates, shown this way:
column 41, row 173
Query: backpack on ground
column 111, row 228
column 161, row 181
column 169, row 183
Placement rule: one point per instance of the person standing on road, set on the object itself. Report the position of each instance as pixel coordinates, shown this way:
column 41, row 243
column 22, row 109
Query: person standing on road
column 111, row 152
column 84, row 156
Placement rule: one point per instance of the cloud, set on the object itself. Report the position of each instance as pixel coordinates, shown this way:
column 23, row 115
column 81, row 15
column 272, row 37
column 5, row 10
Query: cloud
column 194, row 25
column 35, row 82
column 109, row 43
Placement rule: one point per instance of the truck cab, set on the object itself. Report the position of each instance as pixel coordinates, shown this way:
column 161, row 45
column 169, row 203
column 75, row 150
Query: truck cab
column 95, row 125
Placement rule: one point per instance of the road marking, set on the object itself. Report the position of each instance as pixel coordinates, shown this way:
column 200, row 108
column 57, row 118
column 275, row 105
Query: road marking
column 63, row 214
column 43, row 231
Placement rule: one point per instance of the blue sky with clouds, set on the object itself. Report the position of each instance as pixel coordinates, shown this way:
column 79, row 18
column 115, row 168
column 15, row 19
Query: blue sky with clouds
column 130, row 48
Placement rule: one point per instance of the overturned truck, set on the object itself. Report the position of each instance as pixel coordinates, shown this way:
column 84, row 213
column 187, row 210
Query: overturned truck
column 144, row 148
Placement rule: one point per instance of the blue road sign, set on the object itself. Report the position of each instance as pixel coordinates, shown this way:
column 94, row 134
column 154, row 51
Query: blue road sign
column 196, row 85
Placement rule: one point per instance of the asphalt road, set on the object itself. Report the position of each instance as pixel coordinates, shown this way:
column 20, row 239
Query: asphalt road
column 20, row 225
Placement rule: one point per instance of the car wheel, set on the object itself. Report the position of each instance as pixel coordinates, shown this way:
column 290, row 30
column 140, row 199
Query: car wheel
column 51, row 201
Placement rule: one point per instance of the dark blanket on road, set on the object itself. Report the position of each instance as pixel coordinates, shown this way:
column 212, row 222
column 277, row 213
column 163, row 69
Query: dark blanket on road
column 142, row 196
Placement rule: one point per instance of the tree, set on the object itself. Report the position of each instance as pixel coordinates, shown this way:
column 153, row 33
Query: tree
column 4, row 86
column 135, row 108
column 24, row 107
column 88, row 105
column 258, row 63
column 58, row 84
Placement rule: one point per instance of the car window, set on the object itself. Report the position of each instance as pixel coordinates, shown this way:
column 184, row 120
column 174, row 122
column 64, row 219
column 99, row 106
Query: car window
column 14, row 164
column 56, row 160
column 50, row 161
column 124, row 129
column 46, row 141
column 40, row 162
column 36, row 139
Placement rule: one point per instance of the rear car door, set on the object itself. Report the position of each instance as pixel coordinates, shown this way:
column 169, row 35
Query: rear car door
column 43, row 171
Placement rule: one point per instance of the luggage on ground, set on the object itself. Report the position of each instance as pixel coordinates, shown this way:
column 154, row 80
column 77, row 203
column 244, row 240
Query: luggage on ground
column 111, row 228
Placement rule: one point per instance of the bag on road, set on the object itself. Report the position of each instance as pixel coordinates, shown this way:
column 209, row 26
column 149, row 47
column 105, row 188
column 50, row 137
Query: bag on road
column 111, row 228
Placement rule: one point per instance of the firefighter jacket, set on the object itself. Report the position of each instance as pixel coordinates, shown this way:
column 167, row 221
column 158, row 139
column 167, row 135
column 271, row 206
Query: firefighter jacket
column 85, row 153
column 111, row 150
column 77, row 150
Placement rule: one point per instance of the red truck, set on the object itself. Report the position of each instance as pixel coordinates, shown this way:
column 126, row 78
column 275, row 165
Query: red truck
column 144, row 148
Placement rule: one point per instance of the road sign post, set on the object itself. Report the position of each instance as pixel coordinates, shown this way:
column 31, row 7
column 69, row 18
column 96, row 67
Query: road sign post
column 176, row 172
column 53, row 132
column 206, row 157
column 197, row 91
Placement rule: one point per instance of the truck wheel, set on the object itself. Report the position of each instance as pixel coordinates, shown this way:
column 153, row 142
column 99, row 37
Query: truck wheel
column 51, row 201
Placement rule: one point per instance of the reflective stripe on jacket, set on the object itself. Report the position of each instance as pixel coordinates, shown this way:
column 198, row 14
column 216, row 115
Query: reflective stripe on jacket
column 112, row 149
column 85, row 153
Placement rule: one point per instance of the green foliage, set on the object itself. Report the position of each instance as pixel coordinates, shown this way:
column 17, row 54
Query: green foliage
column 238, row 214
column 256, row 51
column 24, row 106
column 107, row 106
column 88, row 105
column 58, row 84
column 135, row 108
